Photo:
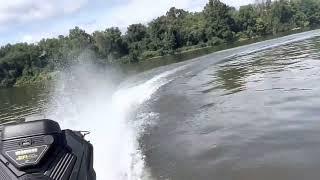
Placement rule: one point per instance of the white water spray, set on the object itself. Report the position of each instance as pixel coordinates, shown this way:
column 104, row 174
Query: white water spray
column 84, row 100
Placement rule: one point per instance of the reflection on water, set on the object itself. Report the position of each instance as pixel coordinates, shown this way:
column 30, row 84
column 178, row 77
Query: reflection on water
column 232, row 79
column 247, row 70
column 16, row 103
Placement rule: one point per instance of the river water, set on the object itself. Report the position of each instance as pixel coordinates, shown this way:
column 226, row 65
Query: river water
column 246, row 113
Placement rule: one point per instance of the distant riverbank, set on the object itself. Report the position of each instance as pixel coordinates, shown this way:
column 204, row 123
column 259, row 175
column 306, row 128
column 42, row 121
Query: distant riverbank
column 194, row 52
column 147, row 64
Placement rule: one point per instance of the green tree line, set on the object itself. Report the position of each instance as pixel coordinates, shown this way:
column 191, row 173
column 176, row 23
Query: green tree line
column 176, row 31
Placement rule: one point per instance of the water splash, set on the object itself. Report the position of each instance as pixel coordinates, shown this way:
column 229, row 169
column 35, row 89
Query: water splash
column 84, row 99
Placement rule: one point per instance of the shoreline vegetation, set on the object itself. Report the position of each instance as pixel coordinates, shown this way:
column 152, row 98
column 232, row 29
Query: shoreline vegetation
column 176, row 32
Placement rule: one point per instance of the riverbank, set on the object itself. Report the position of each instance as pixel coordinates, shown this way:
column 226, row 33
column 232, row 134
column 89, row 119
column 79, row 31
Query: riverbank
column 39, row 78
column 150, row 63
column 240, row 42
column 192, row 53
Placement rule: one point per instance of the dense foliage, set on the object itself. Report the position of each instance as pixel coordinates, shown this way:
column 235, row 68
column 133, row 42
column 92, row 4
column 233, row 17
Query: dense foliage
column 178, row 30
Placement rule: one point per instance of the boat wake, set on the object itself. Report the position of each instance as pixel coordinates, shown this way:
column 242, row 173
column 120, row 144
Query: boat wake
column 84, row 99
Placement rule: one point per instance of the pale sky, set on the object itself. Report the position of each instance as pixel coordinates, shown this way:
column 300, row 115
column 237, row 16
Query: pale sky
column 32, row 20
